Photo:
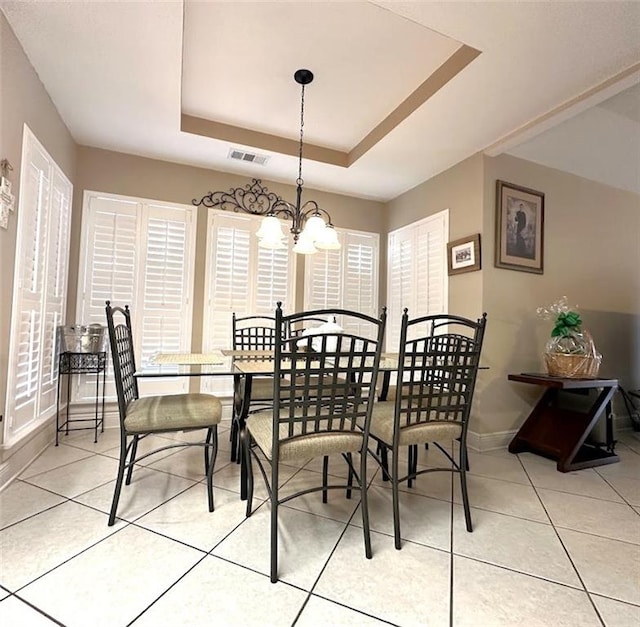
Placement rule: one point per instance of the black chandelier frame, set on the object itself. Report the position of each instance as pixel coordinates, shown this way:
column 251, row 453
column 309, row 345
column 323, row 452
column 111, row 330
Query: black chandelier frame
column 256, row 199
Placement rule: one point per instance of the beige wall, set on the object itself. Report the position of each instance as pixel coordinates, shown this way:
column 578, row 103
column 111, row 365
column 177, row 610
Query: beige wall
column 458, row 189
column 591, row 256
column 117, row 173
column 23, row 99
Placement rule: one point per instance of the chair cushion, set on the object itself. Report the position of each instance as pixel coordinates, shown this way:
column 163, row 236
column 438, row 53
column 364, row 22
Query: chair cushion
column 300, row 447
column 262, row 389
column 435, row 431
column 172, row 412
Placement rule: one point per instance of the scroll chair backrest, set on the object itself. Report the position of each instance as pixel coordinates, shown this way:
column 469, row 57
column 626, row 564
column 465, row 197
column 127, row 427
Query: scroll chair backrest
column 438, row 370
column 124, row 363
column 326, row 391
column 254, row 333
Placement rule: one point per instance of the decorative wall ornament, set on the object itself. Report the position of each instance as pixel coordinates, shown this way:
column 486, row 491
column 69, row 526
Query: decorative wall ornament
column 7, row 199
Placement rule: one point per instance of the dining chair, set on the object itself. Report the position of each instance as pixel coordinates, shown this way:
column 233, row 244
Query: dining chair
column 438, row 364
column 250, row 333
column 326, row 396
column 153, row 415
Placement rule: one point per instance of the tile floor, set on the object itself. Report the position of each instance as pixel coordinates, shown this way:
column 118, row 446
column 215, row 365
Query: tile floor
column 547, row 549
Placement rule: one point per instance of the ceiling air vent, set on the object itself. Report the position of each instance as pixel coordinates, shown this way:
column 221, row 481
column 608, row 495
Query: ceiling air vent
column 248, row 157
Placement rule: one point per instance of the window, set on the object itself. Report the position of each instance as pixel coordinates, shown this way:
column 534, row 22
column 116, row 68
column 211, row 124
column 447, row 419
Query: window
column 40, row 279
column 346, row 278
column 241, row 277
column 141, row 253
column 416, row 272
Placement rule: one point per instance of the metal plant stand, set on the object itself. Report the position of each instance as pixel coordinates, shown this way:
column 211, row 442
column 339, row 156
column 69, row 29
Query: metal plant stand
column 70, row 363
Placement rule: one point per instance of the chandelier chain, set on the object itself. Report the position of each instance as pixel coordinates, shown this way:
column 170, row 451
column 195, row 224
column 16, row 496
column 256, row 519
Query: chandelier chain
column 300, row 181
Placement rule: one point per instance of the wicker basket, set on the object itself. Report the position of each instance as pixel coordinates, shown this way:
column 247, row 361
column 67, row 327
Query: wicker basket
column 572, row 366
column 575, row 366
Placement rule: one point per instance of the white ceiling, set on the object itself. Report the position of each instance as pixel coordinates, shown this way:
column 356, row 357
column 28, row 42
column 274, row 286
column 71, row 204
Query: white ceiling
column 121, row 74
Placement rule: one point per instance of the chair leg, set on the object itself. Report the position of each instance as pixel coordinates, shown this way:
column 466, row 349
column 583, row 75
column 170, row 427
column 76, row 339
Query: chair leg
column 384, row 460
column 212, row 440
column 463, row 487
column 132, row 459
column 245, row 438
column 364, row 503
column 396, row 499
column 119, row 478
column 325, row 477
column 244, row 459
column 234, row 439
column 274, row 521
column 412, row 463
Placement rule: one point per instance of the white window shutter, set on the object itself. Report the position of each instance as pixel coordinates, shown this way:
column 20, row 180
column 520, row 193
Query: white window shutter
column 39, row 304
column 346, row 278
column 241, row 277
column 416, row 272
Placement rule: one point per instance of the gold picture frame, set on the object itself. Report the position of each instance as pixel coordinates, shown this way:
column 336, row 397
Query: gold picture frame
column 519, row 228
column 463, row 255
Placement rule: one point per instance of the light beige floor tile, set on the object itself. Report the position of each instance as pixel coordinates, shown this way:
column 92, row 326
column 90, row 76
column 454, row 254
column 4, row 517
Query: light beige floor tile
column 111, row 583
column 78, row 477
column 319, row 611
column 40, row 543
column 185, row 518
column 216, row 592
column 148, row 489
column 305, row 542
column 16, row 613
column 20, row 500
column 4, row 593
column 628, row 466
column 616, row 613
column 495, row 467
column 524, row 545
column 491, row 596
column 630, row 439
column 503, row 497
column 188, row 463
column 107, row 440
column 337, row 507
column 602, row 518
column 607, row 567
column 422, row 519
column 147, row 445
column 337, row 466
column 53, row 457
column 586, row 482
column 228, row 477
column 627, row 487
column 436, row 485
column 407, row 587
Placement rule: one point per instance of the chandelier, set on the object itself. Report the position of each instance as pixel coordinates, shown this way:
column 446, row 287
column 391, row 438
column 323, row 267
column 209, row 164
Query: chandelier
column 311, row 225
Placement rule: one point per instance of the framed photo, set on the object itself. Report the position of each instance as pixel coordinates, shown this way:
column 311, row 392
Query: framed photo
column 519, row 228
column 463, row 255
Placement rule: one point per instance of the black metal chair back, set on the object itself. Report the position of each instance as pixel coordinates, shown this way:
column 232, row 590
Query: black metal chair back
column 438, row 369
column 253, row 333
column 122, row 355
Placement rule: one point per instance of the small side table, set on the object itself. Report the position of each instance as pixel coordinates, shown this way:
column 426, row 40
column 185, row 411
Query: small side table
column 70, row 363
column 560, row 433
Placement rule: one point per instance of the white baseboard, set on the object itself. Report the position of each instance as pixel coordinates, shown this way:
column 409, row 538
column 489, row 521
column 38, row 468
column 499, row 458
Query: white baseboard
column 482, row 442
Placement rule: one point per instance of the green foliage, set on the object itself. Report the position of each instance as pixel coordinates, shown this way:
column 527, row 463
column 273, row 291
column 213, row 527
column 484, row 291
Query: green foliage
column 566, row 323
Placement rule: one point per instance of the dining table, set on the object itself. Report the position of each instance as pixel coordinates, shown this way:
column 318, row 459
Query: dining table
column 243, row 366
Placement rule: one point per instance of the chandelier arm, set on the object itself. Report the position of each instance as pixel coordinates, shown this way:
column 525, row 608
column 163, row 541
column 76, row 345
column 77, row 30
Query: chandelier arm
column 311, row 208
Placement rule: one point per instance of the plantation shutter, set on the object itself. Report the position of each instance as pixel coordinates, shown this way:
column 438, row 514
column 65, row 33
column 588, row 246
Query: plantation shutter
column 346, row 278
column 42, row 251
column 243, row 278
column 416, row 272
column 139, row 253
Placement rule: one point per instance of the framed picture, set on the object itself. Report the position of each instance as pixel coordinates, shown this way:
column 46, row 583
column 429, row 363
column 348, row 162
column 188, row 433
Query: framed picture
column 519, row 228
column 463, row 255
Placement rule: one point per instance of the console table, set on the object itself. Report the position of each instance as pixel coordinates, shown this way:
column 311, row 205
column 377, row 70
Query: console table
column 560, row 433
column 70, row 363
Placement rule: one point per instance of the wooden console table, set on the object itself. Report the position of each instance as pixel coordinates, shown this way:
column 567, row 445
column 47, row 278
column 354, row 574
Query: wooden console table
column 560, row 433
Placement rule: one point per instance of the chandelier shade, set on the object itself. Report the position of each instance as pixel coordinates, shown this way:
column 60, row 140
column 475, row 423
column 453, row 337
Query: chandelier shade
column 311, row 225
